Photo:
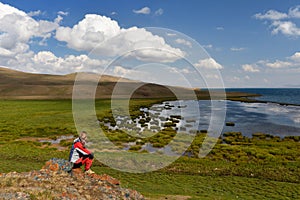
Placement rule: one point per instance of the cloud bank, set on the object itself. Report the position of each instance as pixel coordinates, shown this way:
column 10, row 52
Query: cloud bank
column 94, row 33
column 289, row 64
column 104, row 36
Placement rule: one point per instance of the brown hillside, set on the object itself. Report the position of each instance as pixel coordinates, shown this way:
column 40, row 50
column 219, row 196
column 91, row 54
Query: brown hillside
column 21, row 85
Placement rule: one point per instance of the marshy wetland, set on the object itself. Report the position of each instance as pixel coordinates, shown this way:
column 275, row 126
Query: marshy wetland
column 257, row 165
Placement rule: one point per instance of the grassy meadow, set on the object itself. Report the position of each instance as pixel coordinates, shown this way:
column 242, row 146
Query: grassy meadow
column 260, row 167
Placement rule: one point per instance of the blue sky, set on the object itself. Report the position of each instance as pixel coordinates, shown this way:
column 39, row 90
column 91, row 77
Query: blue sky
column 242, row 43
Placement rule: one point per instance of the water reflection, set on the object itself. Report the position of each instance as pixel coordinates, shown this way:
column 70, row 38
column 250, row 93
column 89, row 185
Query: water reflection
column 181, row 116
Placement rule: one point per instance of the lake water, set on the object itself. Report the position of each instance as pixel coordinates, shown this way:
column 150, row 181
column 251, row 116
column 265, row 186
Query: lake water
column 192, row 116
column 248, row 118
column 270, row 118
column 279, row 95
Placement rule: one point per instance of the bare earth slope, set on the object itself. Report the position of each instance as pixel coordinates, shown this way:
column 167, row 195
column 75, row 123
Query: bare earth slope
column 21, row 85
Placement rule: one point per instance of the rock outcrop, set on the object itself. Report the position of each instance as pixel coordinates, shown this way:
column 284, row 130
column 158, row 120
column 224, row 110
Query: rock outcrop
column 54, row 181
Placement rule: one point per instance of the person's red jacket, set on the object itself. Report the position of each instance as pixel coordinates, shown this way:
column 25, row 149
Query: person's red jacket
column 78, row 151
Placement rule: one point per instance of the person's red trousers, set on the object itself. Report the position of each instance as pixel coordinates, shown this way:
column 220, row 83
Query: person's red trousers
column 86, row 161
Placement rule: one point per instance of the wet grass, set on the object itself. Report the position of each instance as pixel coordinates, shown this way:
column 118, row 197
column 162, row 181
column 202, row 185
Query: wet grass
column 261, row 167
column 25, row 156
column 197, row 186
column 35, row 119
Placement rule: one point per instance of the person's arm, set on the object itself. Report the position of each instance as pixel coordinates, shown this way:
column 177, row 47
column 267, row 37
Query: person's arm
column 81, row 149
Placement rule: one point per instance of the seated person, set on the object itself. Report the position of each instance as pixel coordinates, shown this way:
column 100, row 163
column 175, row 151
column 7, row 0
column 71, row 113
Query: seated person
column 80, row 155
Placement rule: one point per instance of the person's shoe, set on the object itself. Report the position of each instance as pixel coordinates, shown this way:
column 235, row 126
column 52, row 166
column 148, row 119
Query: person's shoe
column 89, row 172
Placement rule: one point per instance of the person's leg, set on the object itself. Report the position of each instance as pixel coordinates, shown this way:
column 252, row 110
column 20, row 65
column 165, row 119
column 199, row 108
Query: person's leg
column 76, row 167
column 78, row 163
column 87, row 162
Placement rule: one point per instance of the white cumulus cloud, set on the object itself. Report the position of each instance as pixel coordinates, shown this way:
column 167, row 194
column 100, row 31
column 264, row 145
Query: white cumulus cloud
column 250, row 68
column 63, row 13
column 296, row 57
column 144, row 10
column 291, row 62
column 294, row 12
column 21, row 27
column 100, row 34
column 184, row 42
column 104, row 36
column 208, row 63
column 271, row 15
column 48, row 62
column 35, row 13
column 283, row 23
column 285, row 27
column 123, row 72
column 279, row 64
column 88, row 33
column 17, row 29
column 288, row 64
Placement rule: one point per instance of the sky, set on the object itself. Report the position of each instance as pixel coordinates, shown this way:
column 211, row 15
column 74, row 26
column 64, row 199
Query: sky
column 193, row 43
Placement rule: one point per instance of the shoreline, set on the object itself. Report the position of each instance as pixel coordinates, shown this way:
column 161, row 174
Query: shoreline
column 247, row 100
column 204, row 94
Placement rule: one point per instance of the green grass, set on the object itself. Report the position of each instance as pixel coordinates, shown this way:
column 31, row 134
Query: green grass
column 205, row 187
column 35, row 118
column 25, row 156
column 261, row 167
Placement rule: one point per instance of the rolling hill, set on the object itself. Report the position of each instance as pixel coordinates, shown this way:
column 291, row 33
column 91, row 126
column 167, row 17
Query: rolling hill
column 21, row 85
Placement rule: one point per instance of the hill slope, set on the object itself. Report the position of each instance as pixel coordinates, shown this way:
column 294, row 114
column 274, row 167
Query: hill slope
column 21, row 85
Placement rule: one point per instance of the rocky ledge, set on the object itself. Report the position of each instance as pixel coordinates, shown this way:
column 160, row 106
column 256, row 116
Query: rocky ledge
column 54, row 181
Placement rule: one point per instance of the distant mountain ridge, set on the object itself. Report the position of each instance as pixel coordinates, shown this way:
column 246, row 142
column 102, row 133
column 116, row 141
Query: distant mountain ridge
column 21, row 85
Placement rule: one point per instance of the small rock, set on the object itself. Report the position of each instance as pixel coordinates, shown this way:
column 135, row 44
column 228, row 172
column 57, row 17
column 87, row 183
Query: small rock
column 230, row 124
